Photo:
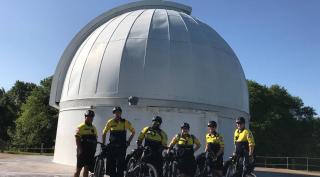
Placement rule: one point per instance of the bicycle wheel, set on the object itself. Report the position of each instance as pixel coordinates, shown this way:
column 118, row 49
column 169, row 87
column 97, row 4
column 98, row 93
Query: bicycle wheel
column 131, row 166
column 165, row 169
column 251, row 175
column 201, row 171
column 231, row 171
column 242, row 167
column 207, row 172
column 198, row 172
column 99, row 167
column 174, row 169
column 149, row 171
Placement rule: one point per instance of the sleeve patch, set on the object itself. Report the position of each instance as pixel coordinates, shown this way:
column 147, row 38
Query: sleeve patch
column 78, row 131
column 221, row 138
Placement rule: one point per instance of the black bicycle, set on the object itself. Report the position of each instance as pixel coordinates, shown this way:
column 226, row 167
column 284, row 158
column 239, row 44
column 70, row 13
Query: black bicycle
column 236, row 168
column 132, row 158
column 170, row 164
column 137, row 165
column 100, row 161
column 205, row 162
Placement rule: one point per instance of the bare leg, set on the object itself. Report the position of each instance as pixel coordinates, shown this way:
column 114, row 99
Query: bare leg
column 85, row 171
column 77, row 173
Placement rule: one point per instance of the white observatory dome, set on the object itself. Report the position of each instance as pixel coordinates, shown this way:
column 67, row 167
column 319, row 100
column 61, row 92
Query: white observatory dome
column 178, row 67
column 158, row 54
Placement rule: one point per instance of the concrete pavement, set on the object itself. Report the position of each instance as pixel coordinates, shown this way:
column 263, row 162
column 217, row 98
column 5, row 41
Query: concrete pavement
column 270, row 174
column 274, row 172
column 42, row 166
column 32, row 165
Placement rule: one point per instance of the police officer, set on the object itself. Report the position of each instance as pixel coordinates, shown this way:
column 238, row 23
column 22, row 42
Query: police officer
column 215, row 145
column 155, row 138
column 86, row 138
column 117, row 126
column 187, row 144
column 244, row 143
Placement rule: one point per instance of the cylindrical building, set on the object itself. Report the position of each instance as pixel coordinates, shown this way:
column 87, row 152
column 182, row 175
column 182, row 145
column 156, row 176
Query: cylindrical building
column 178, row 67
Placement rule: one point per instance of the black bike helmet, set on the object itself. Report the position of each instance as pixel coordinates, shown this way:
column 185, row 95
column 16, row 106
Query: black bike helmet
column 117, row 108
column 185, row 125
column 157, row 119
column 241, row 120
column 212, row 124
column 89, row 113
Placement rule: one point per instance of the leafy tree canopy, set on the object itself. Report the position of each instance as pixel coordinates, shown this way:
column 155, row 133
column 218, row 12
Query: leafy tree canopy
column 282, row 125
column 38, row 121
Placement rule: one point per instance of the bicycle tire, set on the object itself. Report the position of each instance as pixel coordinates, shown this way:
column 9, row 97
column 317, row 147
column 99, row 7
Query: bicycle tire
column 201, row 172
column 174, row 170
column 243, row 167
column 99, row 167
column 151, row 169
column 130, row 167
column 170, row 170
column 251, row 175
column 198, row 172
column 231, row 171
column 165, row 169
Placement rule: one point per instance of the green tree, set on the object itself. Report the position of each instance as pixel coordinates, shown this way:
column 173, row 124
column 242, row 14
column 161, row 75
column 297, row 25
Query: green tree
column 279, row 120
column 38, row 121
column 20, row 92
column 15, row 97
column 7, row 114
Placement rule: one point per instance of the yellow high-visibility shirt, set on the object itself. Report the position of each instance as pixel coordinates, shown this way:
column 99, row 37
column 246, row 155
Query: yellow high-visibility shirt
column 244, row 136
column 85, row 130
column 214, row 139
column 185, row 140
column 117, row 126
column 151, row 134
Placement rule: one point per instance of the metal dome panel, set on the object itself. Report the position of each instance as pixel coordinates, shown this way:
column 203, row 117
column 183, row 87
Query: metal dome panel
column 157, row 54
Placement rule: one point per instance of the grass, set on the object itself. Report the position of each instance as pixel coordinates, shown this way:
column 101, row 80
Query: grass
column 28, row 153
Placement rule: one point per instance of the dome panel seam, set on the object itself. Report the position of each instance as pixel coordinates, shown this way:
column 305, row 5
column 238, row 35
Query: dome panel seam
column 125, row 42
column 97, row 83
column 88, row 56
column 146, row 44
column 75, row 60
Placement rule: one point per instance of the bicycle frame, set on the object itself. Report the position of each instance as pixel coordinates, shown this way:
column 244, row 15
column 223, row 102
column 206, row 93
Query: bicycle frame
column 139, row 166
column 99, row 167
column 237, row 167
column 170, row 165
column 205, row 169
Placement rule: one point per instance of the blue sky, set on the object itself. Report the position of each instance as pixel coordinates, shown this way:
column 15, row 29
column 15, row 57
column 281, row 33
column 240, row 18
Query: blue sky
column 277, row 41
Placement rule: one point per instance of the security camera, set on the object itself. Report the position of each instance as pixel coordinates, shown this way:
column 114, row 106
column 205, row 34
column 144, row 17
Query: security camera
column 133, row 100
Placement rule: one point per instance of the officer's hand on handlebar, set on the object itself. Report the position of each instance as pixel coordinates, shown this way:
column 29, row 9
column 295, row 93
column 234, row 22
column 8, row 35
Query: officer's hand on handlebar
column 251, row 159
column 234, row 156
column 168, row 150
column 214, row 158
column 79, row 150
column 138, row 144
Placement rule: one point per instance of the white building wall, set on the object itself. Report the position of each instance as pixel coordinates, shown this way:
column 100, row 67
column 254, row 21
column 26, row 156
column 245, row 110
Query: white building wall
column 157, row 51
column 227, row 127
column 65, row 151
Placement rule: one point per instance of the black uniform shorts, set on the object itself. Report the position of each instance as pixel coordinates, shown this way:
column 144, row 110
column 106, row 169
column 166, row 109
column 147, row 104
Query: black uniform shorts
column 187, row 165
column 218, row 165
column 85, row 159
